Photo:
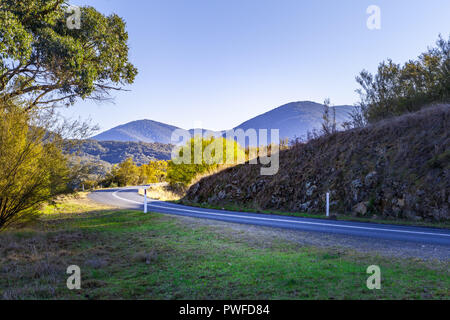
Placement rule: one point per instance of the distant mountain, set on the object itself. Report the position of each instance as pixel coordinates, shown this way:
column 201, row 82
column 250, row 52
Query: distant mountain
column 117, row 151
column 138, row 131
column 293, row 120
column 205, row 132
column 148, row 131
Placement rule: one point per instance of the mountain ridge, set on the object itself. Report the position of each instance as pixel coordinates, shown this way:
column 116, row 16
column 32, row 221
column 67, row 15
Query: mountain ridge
column 294, row 120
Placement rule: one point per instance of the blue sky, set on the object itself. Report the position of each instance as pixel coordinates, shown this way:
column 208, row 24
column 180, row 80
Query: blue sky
column 221, row 62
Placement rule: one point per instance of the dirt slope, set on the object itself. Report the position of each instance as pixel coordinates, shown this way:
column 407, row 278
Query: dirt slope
column 397, row 168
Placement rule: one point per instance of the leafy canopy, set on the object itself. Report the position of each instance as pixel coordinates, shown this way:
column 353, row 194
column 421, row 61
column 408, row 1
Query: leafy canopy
column 128, row 173
column 43, row 62
column 202, row 155
column 396, row 89
column 33, row 167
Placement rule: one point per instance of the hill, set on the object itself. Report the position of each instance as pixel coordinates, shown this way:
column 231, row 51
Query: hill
column 138, row 131
column 116, row 151
column 293, row 119
column 397, row 168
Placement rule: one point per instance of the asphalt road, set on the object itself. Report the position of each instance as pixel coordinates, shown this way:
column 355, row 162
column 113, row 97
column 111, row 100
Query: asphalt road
column 130, row 199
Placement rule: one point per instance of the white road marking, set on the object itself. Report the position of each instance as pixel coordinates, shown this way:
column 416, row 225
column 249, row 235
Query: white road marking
column 280, row 220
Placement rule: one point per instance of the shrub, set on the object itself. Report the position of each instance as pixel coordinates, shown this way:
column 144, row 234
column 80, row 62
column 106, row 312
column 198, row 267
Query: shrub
column 396, row 89
column 33, row 167
column 183, row 169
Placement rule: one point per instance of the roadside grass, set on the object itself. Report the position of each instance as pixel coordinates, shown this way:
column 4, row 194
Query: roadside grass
column 231, row 207
column 70, row 204
column 161, row 193
column 131, row 255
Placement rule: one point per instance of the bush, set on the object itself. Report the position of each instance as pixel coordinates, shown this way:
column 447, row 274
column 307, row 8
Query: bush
column 396, row 89
column 183, row 169
column 33, row 167
column 128, row 173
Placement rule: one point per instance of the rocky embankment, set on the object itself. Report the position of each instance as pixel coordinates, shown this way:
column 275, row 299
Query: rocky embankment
column 398, row 168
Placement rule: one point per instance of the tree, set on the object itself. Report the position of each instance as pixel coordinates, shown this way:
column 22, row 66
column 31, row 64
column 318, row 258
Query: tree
column 33, row 167
column 396, row 89
column 153, row 172
column 212, row 153
column 44, row 62
column 328, row 121
column 125, row 173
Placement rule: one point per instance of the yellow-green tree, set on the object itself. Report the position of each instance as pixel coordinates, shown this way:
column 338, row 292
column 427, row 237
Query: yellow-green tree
column 33, row 167
column 125, row 173
column 201, row 155
column 153, row 172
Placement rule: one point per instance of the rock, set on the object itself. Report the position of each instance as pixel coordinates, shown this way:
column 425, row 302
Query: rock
column 194, row 188
column 310, row 191
column 360, row 208
column 222, row 195
column 275, row 199
column 401, row 203
column 212, row 199
column 305, row 206
column 370, row 179
column 356, row 184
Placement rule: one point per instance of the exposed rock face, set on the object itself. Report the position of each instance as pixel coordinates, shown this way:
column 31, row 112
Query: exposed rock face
column 398, row 168
column 360, row 209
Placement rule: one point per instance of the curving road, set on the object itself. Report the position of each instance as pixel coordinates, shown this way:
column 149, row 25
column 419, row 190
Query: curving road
column 130, row 199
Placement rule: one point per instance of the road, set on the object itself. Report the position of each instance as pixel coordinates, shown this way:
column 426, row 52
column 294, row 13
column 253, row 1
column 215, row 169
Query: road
column 128, row 198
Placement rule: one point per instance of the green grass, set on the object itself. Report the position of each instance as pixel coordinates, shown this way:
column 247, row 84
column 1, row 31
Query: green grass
column 131, row 255
column 233, row 207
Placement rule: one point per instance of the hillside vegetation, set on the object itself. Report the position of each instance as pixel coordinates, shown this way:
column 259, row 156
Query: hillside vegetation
column 396, row 168
column 139, row 131
column 116, row 151
column 294, row 120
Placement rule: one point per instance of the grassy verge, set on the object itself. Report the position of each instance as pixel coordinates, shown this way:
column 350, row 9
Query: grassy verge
column 160, row 193
column 230, row 207
column 130, row 255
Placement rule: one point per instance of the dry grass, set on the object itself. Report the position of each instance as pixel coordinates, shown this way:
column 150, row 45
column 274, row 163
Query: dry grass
column 408, row 157
column 130, row 255
column 162, row 192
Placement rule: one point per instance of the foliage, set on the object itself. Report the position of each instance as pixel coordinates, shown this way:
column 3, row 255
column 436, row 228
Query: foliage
column 128, row 173
column 329, row 120
column 43, row 62
column 153, row 172
column 115, row 152
column 396, row 89
column 397, row 168
column 34, row 169
column 125, row 173
column 201, row 155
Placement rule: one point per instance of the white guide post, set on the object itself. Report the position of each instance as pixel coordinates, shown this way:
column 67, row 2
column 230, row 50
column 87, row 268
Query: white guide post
column 328, row 204
column 145, row 200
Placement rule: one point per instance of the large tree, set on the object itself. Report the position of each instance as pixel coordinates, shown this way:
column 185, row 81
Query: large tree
column 43, row 61
column 397, row 89
column 33, row 166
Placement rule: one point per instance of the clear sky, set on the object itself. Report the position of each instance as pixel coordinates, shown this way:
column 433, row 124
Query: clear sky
column 221, row 62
